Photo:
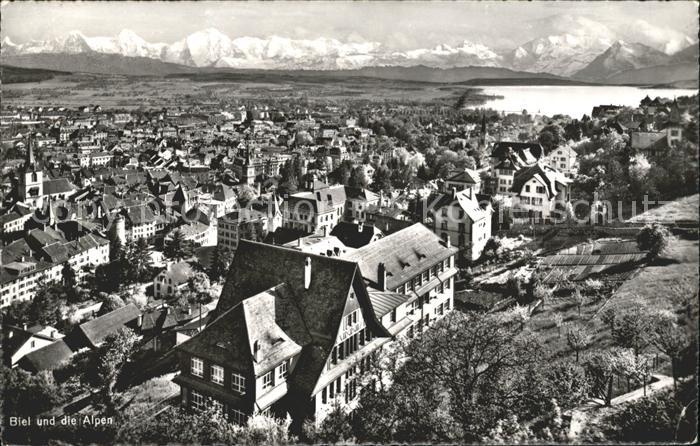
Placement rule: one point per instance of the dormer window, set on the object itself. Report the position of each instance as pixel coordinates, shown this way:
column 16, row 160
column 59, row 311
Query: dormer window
column 283, row 370
column 268, row 380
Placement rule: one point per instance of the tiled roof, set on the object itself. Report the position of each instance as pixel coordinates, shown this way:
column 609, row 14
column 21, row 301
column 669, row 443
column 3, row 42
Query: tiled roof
column 462, row 200
column 46, row 358
column 405, row 254
column 548, row 176
column 524, row 150
column 384, row 301
column 58, row 186
column 98, row 329
column 355, row 235
column 309, row 317
column 465, row 176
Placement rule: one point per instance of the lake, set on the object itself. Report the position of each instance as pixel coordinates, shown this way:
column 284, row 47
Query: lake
column 574, row 101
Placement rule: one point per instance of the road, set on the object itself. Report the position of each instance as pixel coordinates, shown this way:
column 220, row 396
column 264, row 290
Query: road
column 593, row 411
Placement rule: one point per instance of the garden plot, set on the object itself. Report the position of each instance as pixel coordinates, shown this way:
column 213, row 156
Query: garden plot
column 609, row 259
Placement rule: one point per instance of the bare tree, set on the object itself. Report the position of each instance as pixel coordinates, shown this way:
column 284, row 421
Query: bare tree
column 578, row 339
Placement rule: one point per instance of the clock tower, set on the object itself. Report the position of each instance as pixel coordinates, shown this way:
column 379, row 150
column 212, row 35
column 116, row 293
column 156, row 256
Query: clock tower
column 31, row 180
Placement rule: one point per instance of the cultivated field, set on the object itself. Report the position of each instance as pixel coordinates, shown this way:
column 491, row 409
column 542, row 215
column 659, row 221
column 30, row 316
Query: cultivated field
column 650, row 287
column 681, row 210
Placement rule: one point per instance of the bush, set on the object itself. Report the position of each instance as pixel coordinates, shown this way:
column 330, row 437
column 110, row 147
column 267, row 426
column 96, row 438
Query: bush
column 654, row 239
column 649, row 420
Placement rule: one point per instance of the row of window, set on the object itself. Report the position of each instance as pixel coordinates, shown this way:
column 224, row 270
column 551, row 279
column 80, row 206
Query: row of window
column 349, row 346
column 423, row 278
column 351, row 381
column 531, row 200
column 237, row 380
column 199, row 402
column 538, row 189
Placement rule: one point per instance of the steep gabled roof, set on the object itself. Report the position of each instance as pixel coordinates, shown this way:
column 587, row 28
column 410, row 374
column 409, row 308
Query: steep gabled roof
column 547, row 176
column 468, row 176
column 463, row 200
column 524, row 150
column 265, row 299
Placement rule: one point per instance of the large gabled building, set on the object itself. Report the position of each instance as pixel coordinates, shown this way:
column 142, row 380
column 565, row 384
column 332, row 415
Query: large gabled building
column 294, row 332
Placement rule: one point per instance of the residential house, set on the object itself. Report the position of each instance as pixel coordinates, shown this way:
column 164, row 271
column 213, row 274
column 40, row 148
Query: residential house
column 316, row 210
column 541, row 193
column 459, row 218
column 357, row 202
column 172, row 280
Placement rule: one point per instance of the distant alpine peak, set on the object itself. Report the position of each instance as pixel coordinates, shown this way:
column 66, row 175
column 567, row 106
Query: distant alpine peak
column 566, row 45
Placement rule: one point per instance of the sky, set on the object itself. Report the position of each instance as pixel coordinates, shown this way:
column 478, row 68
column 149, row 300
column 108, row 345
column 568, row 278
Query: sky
column 397, row 25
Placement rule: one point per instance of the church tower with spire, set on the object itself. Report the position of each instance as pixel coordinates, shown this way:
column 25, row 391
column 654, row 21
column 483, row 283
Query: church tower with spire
column 483, row 133
column 31, row 180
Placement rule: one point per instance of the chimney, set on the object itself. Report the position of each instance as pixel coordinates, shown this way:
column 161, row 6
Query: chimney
column 53, row 334
column 307, row 273
column 360, row 227
column 139, row 320
column 381, row 277
column 256, row 351
column 381, row 198
column 24, row 326
column 454, row 193
column 447, row 241
column 10, row 334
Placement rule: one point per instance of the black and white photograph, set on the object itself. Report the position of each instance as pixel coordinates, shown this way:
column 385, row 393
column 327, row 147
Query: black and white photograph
column 349, row 222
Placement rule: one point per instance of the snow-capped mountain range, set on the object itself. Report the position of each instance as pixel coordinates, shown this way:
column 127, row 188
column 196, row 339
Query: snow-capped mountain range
column 570, row 45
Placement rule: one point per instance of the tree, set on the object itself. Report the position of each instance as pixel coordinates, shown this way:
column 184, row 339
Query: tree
column 578, row 339
column 246, row 193
column 206, row 427
column 115, row 247
column 111, row 357
column 382, row 179
column 632, row 329
column 671, row 340
column 648, row 420
column 358, row 178
column 551, row 136
column 109, row 277
column 17, row 313
column 70, row 282
column 45, row 308
column 579, row 299
column 568, row 383
column 654, row 239
column 139, row 260
column 25, row 394
column 220, row 259
column 198, row 286
column 175, row 247
column 558, row 320
column 110, row 303
column 600, row 371
column 462, row 375
column 335, row 428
